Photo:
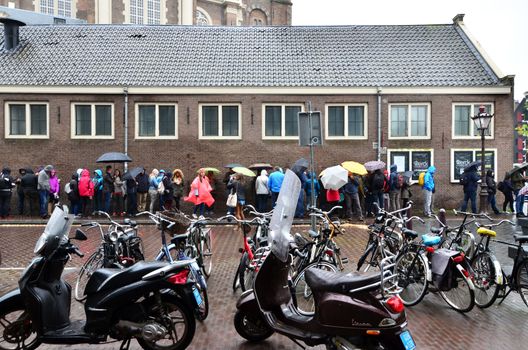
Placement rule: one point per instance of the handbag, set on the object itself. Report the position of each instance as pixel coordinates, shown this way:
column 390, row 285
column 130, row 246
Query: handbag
column 161, row 188
column 232, row 200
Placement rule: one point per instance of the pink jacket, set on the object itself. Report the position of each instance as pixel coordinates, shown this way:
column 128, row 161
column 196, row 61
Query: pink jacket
column 204, row 192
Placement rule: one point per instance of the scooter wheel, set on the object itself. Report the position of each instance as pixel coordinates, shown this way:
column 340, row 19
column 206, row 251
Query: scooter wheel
column 252, row 328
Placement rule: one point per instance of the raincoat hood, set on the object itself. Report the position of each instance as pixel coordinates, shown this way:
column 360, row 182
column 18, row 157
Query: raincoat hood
column 177, row 172
column 432, row 169
column 98, row 173
column 74, row 176
column 393, row 168
column 264, row 172
column 85, row 173
column 48, row 168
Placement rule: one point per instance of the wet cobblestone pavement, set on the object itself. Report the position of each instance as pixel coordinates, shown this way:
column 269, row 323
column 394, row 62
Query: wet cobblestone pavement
column 434, row 325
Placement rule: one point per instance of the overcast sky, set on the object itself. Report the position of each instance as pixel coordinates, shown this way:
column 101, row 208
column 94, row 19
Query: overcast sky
column 501, row 26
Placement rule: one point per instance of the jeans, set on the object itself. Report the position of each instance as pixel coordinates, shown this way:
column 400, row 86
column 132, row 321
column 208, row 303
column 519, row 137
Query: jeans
column 43, row 202
column 470, row 195
column 107, row 201
column 31, row 198
column 5, row 203
column 262, row 203
column 274, row 196
column 85, row 206
column 75, row 207
column 353, row 205
column 119, row 204
column 142, row 200
column 519, row 202
column 20, row 203
column 153, row 195
column 508, row 199
column 428, row 196
column 132, row 203
column 492, row 201
column 395, row 199
column 299, row 210
column 199, row 207
column 98, row 201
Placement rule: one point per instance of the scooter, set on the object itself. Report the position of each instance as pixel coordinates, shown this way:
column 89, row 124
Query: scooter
column 152, row 302
column 352, row 311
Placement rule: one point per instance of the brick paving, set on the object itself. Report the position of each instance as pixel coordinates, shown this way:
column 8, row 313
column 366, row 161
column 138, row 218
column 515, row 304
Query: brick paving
column 433, row 323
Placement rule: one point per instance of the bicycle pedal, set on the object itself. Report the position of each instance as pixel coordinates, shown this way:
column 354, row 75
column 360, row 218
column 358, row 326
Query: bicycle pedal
column 344, row 260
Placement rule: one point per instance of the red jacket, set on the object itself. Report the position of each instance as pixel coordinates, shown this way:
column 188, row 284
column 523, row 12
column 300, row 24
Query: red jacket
column 86, row 186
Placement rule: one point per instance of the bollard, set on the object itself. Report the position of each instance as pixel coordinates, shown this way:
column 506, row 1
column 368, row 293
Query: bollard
column 409, row 223
column 442, row 216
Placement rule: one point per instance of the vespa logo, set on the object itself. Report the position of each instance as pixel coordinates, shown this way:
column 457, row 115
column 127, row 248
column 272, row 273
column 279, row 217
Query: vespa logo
column 360, row 324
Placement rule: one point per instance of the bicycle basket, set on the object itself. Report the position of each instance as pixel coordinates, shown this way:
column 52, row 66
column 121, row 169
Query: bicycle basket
column 181, row 222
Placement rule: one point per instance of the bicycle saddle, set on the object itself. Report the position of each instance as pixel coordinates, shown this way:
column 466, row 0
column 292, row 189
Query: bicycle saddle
column 409, row 233
column 431, row 240
column 436, row 230
column 329, row 281
column 521, row 238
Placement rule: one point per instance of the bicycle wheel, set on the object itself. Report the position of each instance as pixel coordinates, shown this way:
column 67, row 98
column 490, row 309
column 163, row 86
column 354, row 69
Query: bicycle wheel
column 236, row 280
column 461, row 296
column 486, row 288
column 411, row 270
column 94, row 262
column 303, row 293
column 206, row 251
column 203, row 308
column 522, row 280
column 246, row 273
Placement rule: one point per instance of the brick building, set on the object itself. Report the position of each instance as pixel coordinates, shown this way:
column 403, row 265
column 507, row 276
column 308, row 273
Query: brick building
column 201, row 12
column 191, row 96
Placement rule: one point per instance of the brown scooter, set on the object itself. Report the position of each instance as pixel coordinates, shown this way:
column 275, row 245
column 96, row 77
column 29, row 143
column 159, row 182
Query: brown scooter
column 352, row 311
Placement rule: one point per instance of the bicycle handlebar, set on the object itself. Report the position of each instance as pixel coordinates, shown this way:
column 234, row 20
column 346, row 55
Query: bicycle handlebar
column 481, row 215
column 327, row 213
column 414, row 218
column 232, row 217
column 438, row 220
column 494, row 225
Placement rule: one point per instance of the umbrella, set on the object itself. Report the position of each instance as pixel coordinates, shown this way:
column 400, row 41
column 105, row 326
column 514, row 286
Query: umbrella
column 517, row 168
column 260, row 166
column 334, row 177
column 354, row 167
column 131, row 174
column 408, row 174
column 300, row 165
column 210, row 169
column 374, row 165
column 244, row 171
column 113, row 157
column 472, row 165
column 233, row 165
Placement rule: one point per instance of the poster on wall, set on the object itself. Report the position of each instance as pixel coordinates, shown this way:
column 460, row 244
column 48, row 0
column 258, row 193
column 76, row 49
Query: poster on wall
column 401, row 159
column 489, row 159
column 421, row 161
column 461, row 160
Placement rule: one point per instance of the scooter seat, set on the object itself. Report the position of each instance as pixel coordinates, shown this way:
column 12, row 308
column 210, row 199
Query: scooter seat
column 103, row 279
column 329, row 281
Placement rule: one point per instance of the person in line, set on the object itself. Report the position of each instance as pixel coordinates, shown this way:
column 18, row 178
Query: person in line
column 262, row 190
column 200, row 194
column 131, row 192
column 395, row 185
column 142, row 180
column 351, row 190
column 54, row 191
column 153, row 189
column 274, row 184
column 86, row 192
column 6, row 184
column 209, row 210
column 73, row 194
column 375, row 184
column 406, row 193
column 492, row 190
column 44, row 190
column 98, row 191
column 178, row 185
column 428, row 189
column 108, row 189
column 237, row 186
column 507, row 190
column 311, row 178
column 29, row 185
column 119, row 194
column 470, row 181
column 167, row 192
column 518, row 180
column 227, row 178
column 19, row 190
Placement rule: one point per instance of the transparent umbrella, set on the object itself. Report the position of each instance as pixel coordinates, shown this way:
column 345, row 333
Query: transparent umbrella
column 334, row 177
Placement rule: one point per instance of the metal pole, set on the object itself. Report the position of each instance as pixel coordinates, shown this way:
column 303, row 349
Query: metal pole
column 125, row 91
column 312, row 166
column 483, row 184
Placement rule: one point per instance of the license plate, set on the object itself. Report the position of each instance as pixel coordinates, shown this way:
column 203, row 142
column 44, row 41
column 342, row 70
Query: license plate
column 198, row 297
column 407, row 340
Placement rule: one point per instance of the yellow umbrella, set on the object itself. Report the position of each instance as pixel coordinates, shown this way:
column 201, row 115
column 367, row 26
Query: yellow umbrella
column 244, row 171
column 354, row 167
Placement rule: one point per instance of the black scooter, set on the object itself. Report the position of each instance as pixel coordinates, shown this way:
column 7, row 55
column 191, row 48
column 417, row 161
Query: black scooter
column 152, row 302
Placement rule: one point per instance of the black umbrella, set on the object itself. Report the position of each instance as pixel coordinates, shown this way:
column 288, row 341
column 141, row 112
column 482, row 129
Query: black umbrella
column 113, row 157
column 300, row 166
column 233, row 165
column 517, row 168
column 409, row 174
column 472, row 165
column 131, row 174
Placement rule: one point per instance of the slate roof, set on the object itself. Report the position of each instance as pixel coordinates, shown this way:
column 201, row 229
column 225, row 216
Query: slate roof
column 202, row 56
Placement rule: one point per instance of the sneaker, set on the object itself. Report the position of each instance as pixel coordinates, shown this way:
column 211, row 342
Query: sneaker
column 194, row 216
column 201, row 217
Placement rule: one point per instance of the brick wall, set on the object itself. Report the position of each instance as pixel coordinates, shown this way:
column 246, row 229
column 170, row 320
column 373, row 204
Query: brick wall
column 189, row 153
column 19, row 4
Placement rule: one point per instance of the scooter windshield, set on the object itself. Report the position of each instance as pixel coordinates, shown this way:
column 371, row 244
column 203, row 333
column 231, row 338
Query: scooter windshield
column 56, row 231
column 283, row 213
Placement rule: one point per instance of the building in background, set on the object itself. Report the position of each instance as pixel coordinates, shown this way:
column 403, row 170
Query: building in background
column 30, row 17
column 186, row 12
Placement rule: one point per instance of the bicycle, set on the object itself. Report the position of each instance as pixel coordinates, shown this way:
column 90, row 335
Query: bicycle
column 120, row 248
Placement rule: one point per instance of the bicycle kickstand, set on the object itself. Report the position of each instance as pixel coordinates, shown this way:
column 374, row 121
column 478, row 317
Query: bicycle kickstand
column 505, row 295
column 125, row 345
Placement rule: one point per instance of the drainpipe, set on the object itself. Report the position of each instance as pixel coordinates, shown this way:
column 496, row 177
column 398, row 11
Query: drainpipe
column 379, row 124
column 125, row 121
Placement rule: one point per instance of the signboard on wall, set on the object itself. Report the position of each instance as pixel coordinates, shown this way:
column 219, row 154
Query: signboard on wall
column 460, row 160
column 420, row 162
column 315, row 134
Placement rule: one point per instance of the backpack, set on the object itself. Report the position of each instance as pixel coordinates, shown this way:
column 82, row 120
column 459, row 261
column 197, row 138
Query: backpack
column 67, row 188
column 501, row 187
column 421, row 178
column 5, row 182
column 378, row 182
column 463, row 179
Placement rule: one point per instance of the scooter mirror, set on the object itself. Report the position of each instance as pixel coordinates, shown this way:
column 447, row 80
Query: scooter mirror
column 80, row 235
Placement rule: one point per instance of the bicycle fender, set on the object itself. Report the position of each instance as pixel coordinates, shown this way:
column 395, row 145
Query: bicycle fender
column 428, row 273
column 11, row 301
column 469, row 280
column 499, row 280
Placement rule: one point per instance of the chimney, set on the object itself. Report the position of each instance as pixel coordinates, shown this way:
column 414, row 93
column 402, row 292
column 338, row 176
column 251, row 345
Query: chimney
column 11, row 37
column 458, row 19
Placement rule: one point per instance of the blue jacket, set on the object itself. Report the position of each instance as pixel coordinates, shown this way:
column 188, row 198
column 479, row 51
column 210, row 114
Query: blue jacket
column 471, row 181
column 98, row 180
column 429, row 183
column 352, row 186
column 308, row 185
column 275, row 181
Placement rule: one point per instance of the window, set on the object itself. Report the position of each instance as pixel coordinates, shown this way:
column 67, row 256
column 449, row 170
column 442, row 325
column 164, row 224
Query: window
column 463, row 126
column 158, row 121
column 346, row 121
column 281, row 121
column 415, row 160
column 26, row 120
column 92, row 120
column 136, row 11
column 220, row 121
column 460, row 158
column 153, row 12
column 61, row 8
column 145, row 11
column 201, row 18
column 409, row 121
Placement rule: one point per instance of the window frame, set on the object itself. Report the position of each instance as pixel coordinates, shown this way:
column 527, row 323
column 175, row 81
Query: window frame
column 345, row 131
column 283, row 120
column 220, row 129
column 156, row 120
column 409, row 121
column 73, row 121
column 27, row 104
column 474, row 150
column 472, row 123
column 410, row 152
